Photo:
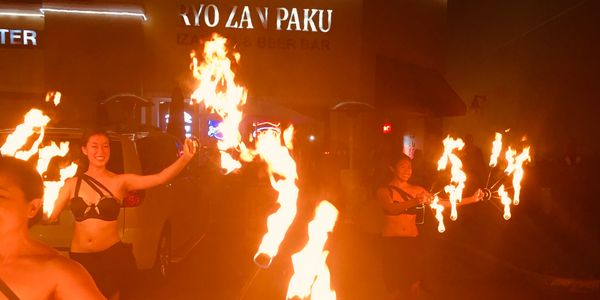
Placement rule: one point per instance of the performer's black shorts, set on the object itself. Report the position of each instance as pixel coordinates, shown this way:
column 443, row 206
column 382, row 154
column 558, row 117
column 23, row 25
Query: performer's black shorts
column 402, row 259
column 113, row 269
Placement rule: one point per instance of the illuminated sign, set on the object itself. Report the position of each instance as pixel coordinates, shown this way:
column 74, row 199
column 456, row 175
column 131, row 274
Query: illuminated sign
column 18, row 37
column 246, row 17
column 387, row 128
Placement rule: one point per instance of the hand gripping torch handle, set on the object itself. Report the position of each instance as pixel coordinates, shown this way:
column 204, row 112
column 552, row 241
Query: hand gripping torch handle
column 487, row 194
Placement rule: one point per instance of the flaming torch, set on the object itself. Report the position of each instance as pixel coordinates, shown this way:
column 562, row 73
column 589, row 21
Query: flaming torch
column 311, row 276
column 496, row 149
column 515, row 167
column 505, row 199
column 219, row 93
column 283, row 176
column 457, row 181
column 34, row 123
column 439, row 209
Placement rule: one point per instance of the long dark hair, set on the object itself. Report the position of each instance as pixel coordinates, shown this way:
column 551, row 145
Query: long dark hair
column 386, row 168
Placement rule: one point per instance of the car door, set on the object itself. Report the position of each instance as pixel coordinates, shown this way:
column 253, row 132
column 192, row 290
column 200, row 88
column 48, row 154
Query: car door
column 180, row 195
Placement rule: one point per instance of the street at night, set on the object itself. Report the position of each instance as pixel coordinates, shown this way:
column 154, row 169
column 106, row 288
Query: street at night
column 299, row 150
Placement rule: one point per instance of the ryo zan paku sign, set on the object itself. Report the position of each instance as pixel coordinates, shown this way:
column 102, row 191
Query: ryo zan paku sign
column 246, row 17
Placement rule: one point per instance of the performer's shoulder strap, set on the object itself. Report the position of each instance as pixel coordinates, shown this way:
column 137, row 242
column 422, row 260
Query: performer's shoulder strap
column 400, row 191
column 4, row 289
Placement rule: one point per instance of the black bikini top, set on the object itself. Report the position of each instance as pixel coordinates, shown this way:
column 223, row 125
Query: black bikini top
column 107, row 208
column 406, row 196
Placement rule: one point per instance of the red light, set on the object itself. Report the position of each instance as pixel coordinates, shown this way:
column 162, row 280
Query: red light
column 387, row 128
column 133, row 199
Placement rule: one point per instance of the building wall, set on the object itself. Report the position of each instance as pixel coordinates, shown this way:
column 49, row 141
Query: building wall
column 21, row 68
column 296, row 69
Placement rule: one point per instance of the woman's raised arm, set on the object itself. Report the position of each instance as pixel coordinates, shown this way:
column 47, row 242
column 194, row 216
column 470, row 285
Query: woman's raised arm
column 134, row 182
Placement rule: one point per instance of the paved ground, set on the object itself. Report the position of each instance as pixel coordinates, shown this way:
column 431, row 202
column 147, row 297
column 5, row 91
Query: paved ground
column 481, row 256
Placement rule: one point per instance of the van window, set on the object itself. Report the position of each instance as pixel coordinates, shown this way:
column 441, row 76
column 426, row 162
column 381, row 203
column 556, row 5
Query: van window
column 156, row 153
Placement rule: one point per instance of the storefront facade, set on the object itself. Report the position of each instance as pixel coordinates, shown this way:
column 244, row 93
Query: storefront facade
column 303, row 57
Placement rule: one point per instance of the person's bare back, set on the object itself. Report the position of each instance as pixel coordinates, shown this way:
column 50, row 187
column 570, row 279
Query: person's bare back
column 39, row 272
column 28, row 268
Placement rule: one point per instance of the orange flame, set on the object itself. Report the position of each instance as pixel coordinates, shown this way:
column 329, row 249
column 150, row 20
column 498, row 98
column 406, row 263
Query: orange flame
column 283, row 175
column 458, row 179
column 54, row 97
column 496, row 149
column 311, row 275
column 34, row 123
column 219, row 93
column 505, row 199
column 438, row 213
column 52, row 188
column 515, row 167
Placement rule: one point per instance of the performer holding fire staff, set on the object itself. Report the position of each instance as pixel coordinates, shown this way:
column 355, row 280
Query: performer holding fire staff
column 28, row 268
column 95, row 198
column 403, row 207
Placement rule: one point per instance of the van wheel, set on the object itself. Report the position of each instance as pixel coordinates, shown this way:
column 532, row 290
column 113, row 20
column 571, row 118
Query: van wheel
column 162, row 264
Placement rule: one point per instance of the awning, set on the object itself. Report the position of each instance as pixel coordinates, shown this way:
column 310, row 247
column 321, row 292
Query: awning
column 416, row 90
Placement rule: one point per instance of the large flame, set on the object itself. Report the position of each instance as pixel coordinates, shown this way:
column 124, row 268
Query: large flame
column 52, row 188
column 505, row 199
column 496, row 150
column 34, row 123
column 458, row 179
column 219, row 93
column 439, row 209
column 311, row 275
column 283, row 175
column 515, row 167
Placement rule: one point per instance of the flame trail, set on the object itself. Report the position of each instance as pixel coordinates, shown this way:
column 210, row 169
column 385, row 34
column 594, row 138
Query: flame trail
column 34, row 123
column 54, row 97
column 311, row 275
column 219, row 93
column 457, row 181
column 496, row 149
column 505, row 199
column 438, row 213
column 283, row 176
column 515, row 167
column 52, row 188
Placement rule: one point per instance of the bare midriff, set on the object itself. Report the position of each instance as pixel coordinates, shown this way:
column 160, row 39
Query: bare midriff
column 400, row 225
column 94, row 235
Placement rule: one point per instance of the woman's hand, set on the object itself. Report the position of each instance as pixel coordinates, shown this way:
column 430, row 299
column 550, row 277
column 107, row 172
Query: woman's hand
column 189, row 148
column 423, row 197
column 478, row 195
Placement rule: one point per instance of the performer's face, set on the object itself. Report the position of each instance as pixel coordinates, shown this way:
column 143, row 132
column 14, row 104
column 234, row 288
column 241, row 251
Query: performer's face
column 403, row 170
column 97, row 150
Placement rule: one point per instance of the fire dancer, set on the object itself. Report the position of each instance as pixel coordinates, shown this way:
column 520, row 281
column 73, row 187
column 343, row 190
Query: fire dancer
column 95, row 200
column 402, row 204
column 31, row 269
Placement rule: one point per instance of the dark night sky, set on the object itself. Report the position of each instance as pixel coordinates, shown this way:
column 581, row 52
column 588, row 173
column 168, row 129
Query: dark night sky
column 535, row 61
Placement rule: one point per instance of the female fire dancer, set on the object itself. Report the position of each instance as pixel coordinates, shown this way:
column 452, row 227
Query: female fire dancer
column 29, row 269
column 401, row 249
column 95, row 199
